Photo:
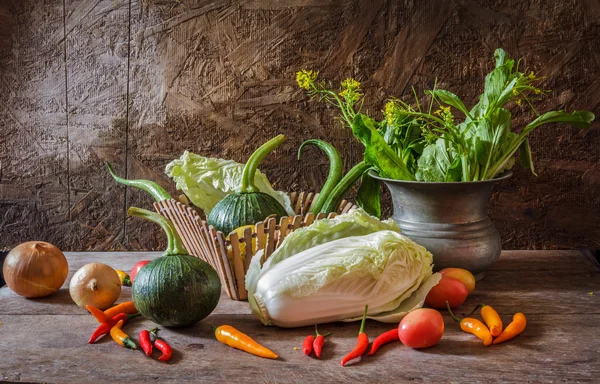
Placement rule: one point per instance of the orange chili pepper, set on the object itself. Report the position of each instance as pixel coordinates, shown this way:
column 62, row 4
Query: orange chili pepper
column 474, row 326
column 126, row 307
column 98, row 314
column 513, row 329
column 121, row 337
column 102, row 317
column 491, row 318
column 230, row 336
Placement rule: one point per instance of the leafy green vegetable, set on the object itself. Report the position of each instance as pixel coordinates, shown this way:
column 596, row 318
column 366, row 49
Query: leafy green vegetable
column 416, row 144
column 377, row 152
column 368, row 196
column 206, row 180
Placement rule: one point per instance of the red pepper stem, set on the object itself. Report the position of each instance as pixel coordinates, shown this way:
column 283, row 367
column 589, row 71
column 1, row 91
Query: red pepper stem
column 362, row 323
column 452, row 314
column 129, row 317
column 321, row 334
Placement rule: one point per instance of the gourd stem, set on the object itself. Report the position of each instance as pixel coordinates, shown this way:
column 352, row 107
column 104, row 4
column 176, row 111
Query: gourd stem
column 335, row 171
column 253, row 162
column 174, row 243
column 155, row 190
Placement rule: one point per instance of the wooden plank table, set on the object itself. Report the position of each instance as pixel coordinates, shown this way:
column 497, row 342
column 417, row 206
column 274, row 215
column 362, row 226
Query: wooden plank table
column 45, row 340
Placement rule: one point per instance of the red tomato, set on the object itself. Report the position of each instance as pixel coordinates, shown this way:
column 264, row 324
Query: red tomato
column 461, row 274
column 448, row 289
column 421, row 328
column 136, row 269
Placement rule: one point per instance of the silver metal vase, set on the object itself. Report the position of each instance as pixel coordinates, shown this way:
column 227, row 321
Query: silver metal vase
column 449, row 219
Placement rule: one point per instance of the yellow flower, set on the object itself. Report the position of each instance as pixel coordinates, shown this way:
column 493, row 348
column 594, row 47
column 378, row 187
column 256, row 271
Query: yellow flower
column 518, row 102
column 390, row 109
column 305, row 78
column 531, row 76
column 350, row 84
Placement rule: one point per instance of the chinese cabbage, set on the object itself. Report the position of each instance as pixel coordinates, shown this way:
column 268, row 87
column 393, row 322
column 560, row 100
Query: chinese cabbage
column 334, row 280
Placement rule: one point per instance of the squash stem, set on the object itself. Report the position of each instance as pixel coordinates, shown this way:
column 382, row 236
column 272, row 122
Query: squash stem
column 335, row 171
column 174, row 243
column 149, row 186
column 253, row 162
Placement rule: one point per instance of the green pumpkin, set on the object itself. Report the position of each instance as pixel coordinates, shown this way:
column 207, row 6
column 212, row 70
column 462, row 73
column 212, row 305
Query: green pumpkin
column 177, row 289
column 249, row 206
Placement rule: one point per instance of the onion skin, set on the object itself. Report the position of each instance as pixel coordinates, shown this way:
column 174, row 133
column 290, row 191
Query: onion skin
column 35, row 269
column 95, row 284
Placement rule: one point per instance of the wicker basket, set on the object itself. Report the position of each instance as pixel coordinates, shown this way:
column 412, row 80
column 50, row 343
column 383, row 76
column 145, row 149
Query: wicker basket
column 229, row 255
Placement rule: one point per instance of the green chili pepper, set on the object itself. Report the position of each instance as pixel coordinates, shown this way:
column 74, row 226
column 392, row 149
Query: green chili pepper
column 335, row 197
column 149, row 186
column 335, row 171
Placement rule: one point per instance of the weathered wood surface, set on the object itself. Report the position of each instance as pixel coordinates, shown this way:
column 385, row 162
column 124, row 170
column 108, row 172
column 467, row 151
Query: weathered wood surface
column 137, row 82
column 45, row 339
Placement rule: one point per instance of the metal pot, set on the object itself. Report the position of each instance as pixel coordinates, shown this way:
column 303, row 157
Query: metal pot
column 449, row 219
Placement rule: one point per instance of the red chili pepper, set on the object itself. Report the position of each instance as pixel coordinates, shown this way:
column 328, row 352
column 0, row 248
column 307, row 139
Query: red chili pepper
column 307, row 346
column 145, row 342
column 105, row 327
column 319, row 342
column 162, row 346
column 362, row 342
column 384, row 338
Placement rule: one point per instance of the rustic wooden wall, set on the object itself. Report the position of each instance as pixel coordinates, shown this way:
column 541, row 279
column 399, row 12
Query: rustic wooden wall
column 138, row 82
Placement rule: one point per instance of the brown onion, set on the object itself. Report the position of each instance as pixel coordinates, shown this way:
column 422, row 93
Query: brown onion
column 95, row 284
column 35, row 269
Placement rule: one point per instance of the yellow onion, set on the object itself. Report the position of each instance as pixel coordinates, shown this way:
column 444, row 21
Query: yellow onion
column 35, row 269
column 95, row 284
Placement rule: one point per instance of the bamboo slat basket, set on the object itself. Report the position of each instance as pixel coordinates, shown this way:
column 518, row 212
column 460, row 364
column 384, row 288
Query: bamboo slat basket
column 229, row 254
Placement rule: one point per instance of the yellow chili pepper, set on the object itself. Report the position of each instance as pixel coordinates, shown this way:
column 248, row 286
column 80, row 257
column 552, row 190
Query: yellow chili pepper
column 121, row 337
column 124, row 277
column 491, row 318
column 516, row 327
column 230, row 336
column 473, row 326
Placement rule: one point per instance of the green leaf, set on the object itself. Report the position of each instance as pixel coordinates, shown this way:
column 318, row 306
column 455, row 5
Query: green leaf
column 578, row 119
column 368, row 197
column 377, row 152
column 437, row 162
column 449, row 98
column 525, row 156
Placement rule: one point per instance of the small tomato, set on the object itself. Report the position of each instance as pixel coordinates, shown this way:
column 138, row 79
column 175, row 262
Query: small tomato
column 136, row 268
column 448, row 289
column 461, row 274
column 421, row 328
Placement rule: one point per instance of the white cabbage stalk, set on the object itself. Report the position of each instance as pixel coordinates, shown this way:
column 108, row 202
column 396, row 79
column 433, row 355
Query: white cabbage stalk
column 335, row 280
column 207, row 180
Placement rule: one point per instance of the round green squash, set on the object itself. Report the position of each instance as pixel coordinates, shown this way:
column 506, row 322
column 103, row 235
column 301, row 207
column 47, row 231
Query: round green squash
column 249, row 206
column 239, row 209
column 175, row 290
